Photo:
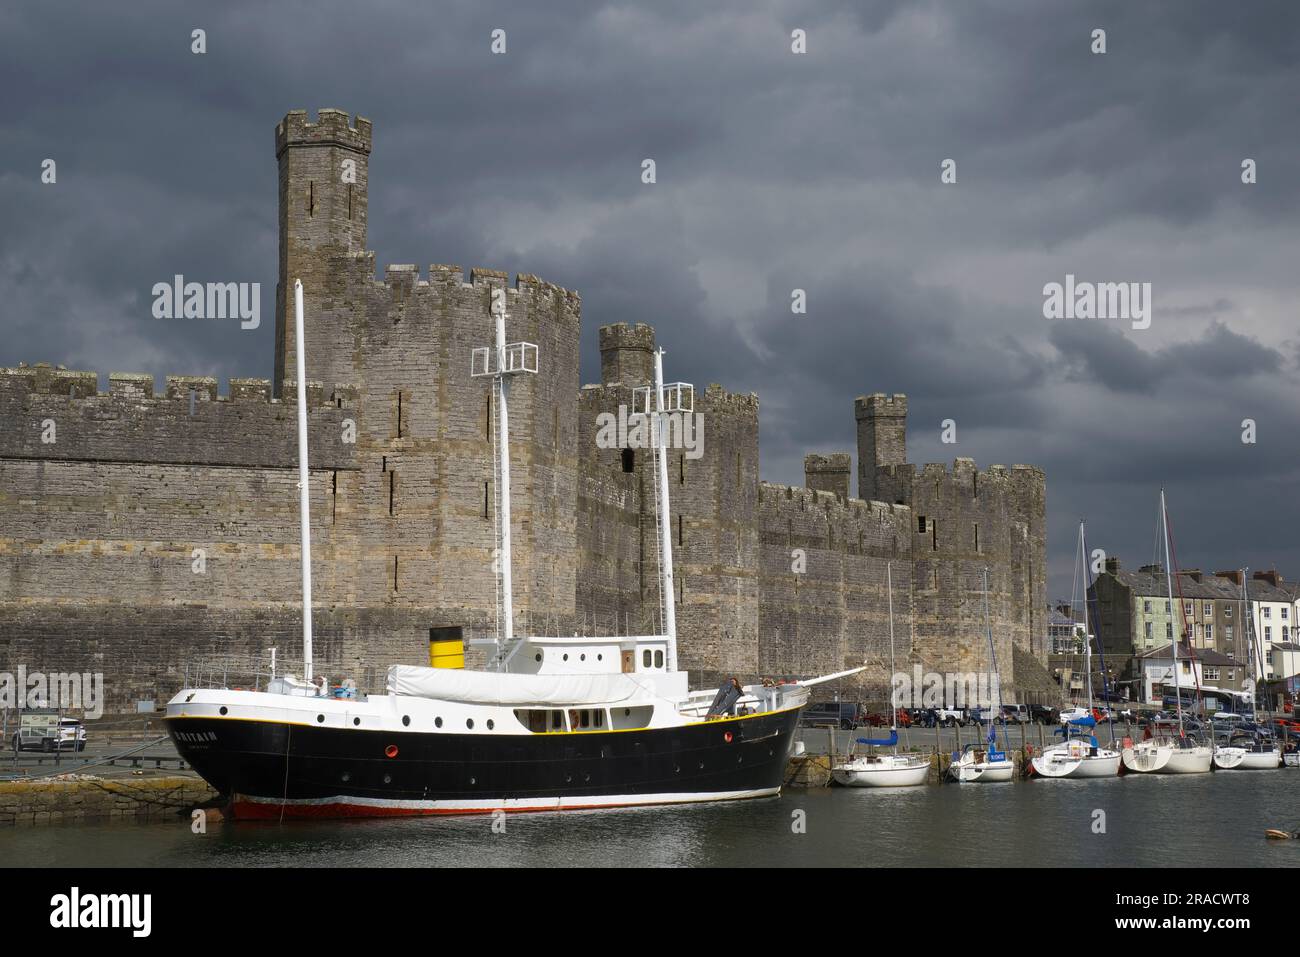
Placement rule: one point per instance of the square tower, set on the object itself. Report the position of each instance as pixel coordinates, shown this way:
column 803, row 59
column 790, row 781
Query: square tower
column 882, row 437
column 324, row 176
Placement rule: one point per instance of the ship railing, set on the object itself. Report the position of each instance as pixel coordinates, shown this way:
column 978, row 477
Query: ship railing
column 255, row 673
column 756, row 700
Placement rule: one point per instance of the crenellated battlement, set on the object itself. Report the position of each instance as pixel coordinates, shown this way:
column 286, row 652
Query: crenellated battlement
column 401, row 278
column 137, row 387
column 332, row 128
column 719, row 399
column 880, row 404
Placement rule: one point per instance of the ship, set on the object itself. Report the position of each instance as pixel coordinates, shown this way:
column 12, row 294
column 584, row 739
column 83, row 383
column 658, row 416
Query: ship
column 550, row 723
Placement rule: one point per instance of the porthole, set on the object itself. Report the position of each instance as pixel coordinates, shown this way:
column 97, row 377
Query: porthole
column 677, row 769
column 469, row 723
column 356, row 721
column 224, row 709
column 568, row 778
column 600, row 657
column 346, row 777
column 437, row 722
column 388, row 779
column 406, row 720
column 320, row 719
column 473, row 780
column 582, row 657
column 566, row 656
column 586, row 779
column 537, row 657
column 491, row 724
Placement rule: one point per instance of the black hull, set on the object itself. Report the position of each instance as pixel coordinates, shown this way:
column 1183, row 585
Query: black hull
column 274, row 770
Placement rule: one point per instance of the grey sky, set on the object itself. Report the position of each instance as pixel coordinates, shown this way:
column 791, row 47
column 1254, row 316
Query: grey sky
column 775, row 171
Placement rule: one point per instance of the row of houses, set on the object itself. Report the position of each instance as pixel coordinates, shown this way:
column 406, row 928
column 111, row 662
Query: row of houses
column 1231, row 630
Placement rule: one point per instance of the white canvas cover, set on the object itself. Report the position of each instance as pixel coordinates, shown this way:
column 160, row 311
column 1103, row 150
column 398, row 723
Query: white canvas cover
column 514, row 690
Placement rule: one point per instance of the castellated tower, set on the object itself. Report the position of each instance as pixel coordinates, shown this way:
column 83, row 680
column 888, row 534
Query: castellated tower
column 828, row 473
column 965, row 521
column 882, row 437
column 324, row 178
column 627, row 354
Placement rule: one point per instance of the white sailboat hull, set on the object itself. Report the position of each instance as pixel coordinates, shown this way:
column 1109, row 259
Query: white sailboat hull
column 886, row 771
column 983, row 771
column 1291, row 759
column 1147, row 758
column 1228, row 759
column 1239, row 759
column 1071, row 761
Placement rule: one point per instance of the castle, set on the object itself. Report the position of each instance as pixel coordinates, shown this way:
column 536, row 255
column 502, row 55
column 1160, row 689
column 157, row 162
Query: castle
column 160, row 527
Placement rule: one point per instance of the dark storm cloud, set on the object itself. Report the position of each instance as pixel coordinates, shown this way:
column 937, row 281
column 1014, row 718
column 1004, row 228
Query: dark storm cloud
column 776, row 172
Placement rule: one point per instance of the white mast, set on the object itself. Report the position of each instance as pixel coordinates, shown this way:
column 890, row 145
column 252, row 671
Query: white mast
column 304, row 490
column 1169, row 584
column 502, row 386
column 1082, row 564
column 665, row 521
column 889, row 584
column 500, row 361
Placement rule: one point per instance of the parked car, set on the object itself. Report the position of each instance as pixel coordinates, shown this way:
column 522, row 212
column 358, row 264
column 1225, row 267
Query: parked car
column 72, row 735
column 841, row 714
column 1014, row 714
column 903, row 717
column 923, row 717
column 1073, row 714
column 44, row 730
column 1043, row 714
column 950, row 717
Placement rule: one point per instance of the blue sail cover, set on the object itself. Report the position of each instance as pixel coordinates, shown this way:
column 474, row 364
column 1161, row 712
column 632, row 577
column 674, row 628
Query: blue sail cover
column 892, row 739
column 1085, row 722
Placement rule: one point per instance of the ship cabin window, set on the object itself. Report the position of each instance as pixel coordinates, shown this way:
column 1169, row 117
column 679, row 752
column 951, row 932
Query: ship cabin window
column 539, row 721
column 645, row 658
column 659, row 659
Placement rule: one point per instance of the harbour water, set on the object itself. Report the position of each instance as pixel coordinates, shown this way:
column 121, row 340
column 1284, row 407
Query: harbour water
column 1204, row 820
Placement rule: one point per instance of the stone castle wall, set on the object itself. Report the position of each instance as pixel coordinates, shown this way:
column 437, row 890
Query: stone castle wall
column 98, row 528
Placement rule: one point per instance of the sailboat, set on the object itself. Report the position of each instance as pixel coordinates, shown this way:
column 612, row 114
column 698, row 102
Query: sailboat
column 1079, row 755
column 1169, row 750
column 893, row 770
column 984, row 763
column 1249, row 750
column 551, row 723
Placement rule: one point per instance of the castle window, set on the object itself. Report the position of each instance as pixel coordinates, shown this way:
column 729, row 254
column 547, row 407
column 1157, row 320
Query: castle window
column 394, row 573
column 977, row 537
column 680, row 541
column 334, row 502
column 392, row 490
column 485, row 499
column 920, row 524
column 629, row 460
column 681, row 475
column 311, row 198
column 399, row 414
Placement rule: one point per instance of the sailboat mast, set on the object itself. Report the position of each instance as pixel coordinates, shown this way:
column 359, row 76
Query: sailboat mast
column 304, row 490
column 1087, row 635
column 993, row 658
column 889, row 584
column 665, row 520
column 1169, row 584
column 501, row 383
